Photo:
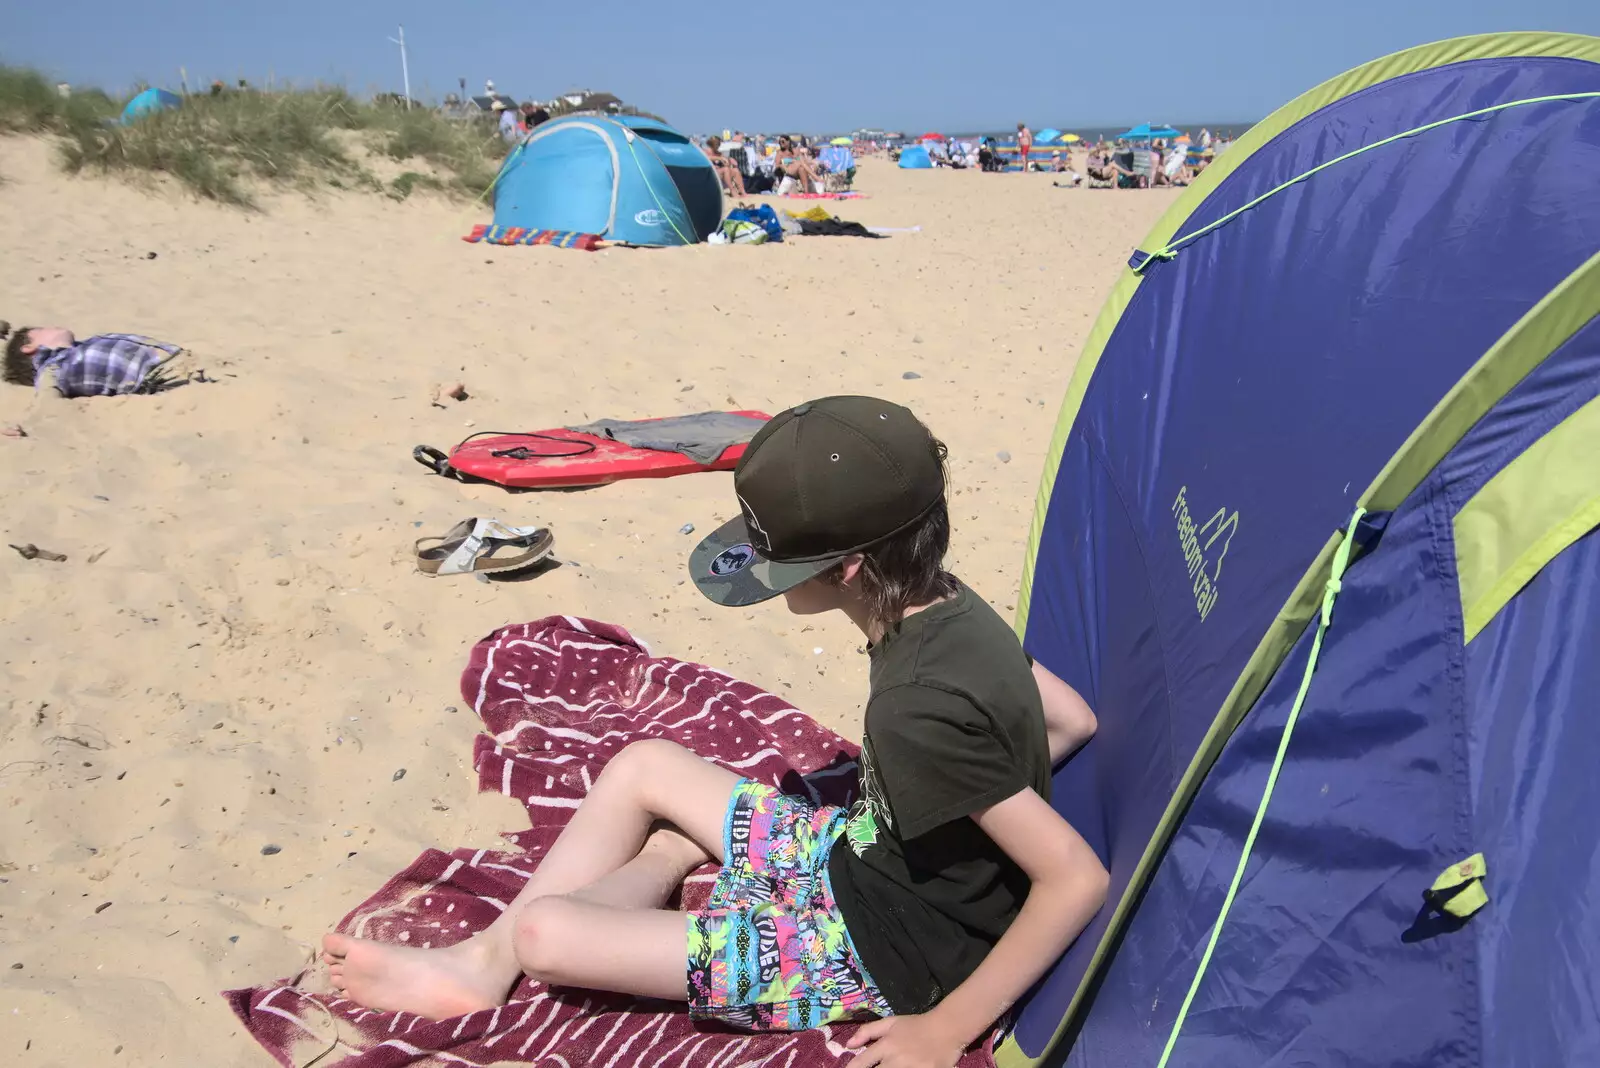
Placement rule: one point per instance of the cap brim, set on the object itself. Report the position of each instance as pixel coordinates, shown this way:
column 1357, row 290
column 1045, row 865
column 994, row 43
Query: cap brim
column 728, row 570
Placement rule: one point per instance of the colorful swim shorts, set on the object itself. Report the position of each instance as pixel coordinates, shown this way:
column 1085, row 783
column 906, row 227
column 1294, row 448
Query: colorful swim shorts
column 770, row 952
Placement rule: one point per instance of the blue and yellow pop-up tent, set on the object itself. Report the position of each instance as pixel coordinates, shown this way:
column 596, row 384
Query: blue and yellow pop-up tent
column 1317, row 538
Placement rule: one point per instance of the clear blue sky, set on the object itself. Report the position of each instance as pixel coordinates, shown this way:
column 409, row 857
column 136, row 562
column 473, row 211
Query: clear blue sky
column 913, row 64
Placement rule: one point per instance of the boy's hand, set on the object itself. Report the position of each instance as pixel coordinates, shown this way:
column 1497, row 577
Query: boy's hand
column 915, row 1041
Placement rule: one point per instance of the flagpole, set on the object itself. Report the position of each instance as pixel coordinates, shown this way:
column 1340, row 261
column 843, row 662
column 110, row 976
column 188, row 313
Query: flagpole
column 405, row 70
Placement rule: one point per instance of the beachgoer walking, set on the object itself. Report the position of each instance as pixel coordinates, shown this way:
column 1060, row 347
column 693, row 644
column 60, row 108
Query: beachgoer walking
column 510, row 132
column 934, row 902
column 1024, row 144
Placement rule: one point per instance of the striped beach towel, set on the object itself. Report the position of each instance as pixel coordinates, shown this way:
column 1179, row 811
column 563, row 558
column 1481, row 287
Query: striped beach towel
column 517, row 235
column 558, row 698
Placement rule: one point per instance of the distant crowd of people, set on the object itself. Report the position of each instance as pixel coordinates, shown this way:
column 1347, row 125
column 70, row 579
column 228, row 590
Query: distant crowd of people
column 753, row 163
column 1118, row 164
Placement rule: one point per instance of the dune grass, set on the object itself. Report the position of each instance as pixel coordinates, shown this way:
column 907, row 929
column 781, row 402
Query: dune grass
column 223, row 147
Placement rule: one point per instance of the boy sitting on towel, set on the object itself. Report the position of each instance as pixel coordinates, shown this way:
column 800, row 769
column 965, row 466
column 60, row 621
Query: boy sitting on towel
column 932, row 904
column 106, row 365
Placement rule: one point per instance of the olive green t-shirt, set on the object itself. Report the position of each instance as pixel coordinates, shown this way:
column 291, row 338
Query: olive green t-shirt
column 954, row 725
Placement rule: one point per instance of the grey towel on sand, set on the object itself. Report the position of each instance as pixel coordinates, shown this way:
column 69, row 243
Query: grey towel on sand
column 701, row 437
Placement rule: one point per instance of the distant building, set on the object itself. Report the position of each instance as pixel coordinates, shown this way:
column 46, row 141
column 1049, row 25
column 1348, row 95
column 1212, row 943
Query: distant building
column 572, row 102
column 473, row 107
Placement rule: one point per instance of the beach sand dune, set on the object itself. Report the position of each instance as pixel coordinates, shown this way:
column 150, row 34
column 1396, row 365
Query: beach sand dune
column 238, row 654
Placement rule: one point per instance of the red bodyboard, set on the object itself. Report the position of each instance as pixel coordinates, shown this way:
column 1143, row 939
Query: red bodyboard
column 554, row 460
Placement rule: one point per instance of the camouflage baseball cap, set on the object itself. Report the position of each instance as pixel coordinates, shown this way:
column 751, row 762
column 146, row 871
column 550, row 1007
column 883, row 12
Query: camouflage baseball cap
column 818, row 482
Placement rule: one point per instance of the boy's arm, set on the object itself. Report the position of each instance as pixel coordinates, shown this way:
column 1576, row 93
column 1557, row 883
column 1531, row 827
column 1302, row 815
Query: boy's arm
column 1069, row 885
column 1068, row 720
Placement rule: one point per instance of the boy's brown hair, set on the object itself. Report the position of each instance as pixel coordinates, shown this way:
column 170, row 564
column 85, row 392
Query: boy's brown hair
column 908, row 568
column 18, row 368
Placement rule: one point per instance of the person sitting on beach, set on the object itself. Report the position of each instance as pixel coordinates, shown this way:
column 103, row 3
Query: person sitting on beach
column 796, row 163
column 1116, row 167
column 1171, row 164
column 727, row 169
column 933, row 903
column 988, row 159
column 1102, row 168
column 106, row 365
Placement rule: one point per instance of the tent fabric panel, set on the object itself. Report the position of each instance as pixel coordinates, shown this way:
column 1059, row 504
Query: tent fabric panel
column 1407, row 103
column 1323, row 958
column 1577, row 47
column 650, row 211
column 1105, row 544
column 1548, row 326
column 562, row 177
column 1532, row 677
column 691, row 194
column 1527, row 514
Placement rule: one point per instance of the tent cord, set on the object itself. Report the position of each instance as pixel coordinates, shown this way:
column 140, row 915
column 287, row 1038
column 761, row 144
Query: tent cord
column 1170, row 250
column 1341, row 560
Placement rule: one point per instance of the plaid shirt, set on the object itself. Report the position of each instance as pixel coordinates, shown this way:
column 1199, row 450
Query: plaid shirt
column 102, row 366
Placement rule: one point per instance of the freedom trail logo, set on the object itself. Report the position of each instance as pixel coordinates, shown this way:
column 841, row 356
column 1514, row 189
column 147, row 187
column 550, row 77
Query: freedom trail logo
column 1204, row 549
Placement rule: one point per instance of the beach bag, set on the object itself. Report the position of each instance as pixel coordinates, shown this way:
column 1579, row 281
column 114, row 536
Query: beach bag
column 763, row 217
column 740, row 232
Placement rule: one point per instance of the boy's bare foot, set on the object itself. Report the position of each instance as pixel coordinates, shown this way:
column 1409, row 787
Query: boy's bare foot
column 436, row 983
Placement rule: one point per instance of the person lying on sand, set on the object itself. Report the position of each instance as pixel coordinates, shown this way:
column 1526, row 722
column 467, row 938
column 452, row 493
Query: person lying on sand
column 106, row 365
column 933, row 903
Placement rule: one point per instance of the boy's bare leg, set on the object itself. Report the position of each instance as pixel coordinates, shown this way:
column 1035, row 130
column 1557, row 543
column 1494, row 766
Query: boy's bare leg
column 649, row 880
column 646, row 782
column 567, row 941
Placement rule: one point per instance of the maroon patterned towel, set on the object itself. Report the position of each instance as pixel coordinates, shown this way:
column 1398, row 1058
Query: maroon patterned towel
column 558, row 698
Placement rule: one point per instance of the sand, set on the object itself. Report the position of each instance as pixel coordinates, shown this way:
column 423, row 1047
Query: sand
column 238, row 652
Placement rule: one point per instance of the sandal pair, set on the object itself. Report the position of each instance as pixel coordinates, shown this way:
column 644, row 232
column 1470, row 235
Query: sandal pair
column 483, row 545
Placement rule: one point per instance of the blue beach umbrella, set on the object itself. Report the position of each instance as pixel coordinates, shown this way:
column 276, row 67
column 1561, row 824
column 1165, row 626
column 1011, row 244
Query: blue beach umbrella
column 1044, row 137
column 1145, row 132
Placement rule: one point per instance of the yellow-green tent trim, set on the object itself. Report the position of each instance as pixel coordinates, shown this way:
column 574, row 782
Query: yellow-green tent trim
column 1526, row 515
